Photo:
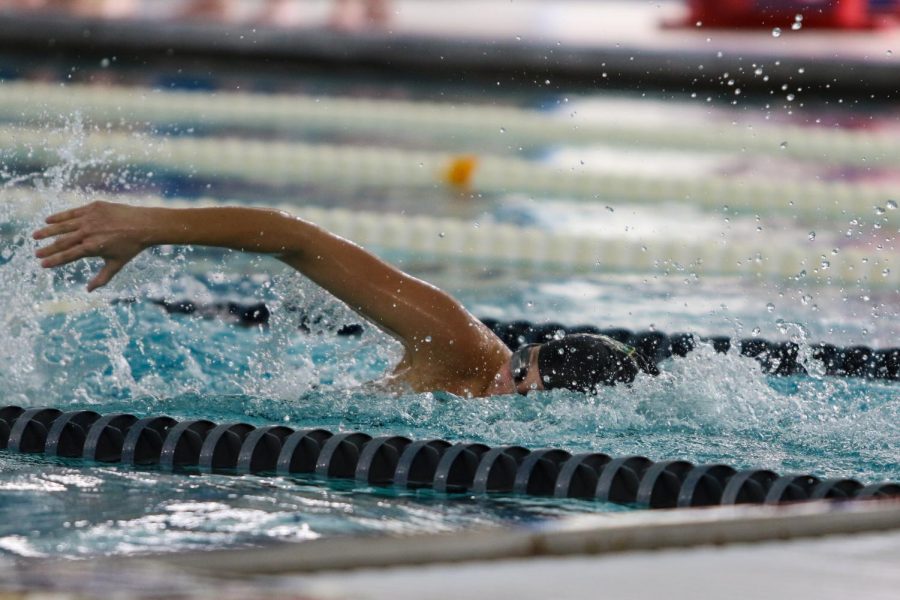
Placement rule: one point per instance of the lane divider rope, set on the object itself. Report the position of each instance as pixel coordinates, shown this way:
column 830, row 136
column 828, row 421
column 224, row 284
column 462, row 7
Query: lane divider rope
column 283, row 163
column 299, row 113
column 530, row 249
column 775, row 358
column 391, row 460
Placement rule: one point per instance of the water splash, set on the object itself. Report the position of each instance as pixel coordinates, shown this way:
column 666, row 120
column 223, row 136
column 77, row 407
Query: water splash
column 706, row 406
column 60, row 345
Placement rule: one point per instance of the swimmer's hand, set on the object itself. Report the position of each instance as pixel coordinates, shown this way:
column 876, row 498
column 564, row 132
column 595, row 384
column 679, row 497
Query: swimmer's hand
column 114, row 232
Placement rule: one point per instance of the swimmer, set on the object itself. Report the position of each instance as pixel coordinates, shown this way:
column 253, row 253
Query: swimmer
column 445, row 347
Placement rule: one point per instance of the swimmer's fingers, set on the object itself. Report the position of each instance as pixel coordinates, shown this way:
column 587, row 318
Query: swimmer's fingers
column 66, row 256
column 67, row 215
column 63, row 242
column 109, row 270
column 56, row 229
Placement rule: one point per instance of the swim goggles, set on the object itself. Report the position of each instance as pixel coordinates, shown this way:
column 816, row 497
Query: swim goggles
column 519, row 362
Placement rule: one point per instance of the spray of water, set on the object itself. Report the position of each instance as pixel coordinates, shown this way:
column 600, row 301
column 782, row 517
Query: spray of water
column 60, row 345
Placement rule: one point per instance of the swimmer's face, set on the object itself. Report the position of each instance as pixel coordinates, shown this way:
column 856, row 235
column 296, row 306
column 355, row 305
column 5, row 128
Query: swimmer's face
column 523, row 366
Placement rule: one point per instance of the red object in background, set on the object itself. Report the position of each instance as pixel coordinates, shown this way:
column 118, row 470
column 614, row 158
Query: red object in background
column 833, row 14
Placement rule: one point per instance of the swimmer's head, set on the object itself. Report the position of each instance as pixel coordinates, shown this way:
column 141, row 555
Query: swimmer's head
column 580, row 362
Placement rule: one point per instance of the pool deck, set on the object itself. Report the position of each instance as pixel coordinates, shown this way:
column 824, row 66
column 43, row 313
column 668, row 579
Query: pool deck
column 832, row 550
column 602, row 44
column 828, row 569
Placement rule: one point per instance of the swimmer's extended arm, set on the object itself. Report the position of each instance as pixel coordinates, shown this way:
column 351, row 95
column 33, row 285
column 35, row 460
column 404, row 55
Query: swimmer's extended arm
column 431, row 324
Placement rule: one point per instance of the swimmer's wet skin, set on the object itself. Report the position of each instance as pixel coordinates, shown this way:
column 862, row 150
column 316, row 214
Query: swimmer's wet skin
column 445, row 347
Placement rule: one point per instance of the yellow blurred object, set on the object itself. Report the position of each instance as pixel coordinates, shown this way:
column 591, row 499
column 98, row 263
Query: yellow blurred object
column 459, row 173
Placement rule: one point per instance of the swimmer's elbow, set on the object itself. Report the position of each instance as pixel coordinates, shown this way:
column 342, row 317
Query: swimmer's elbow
column 296, row 240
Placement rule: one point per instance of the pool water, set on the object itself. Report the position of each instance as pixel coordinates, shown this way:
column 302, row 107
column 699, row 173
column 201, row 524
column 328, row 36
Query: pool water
column 60, row 347
column 136, row 358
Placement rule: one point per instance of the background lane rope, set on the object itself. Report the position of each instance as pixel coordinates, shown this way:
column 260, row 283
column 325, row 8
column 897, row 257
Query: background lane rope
column 525, row 249
column 283, row 112
column 278, row 163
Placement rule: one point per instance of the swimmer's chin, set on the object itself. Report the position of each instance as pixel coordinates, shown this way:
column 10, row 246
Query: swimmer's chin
column 502, row 383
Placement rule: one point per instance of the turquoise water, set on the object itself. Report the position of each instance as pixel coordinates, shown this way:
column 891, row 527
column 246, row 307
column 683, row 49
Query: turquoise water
column 60, row 347
column 135, row 358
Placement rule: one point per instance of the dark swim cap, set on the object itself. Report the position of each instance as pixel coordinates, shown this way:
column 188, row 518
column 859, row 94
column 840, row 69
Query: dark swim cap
column 583, row 361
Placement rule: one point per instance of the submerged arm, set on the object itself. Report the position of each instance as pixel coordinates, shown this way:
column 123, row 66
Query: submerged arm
column 430, row 323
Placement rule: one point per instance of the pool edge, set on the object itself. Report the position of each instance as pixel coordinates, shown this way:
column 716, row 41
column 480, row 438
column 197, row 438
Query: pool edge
column 576, row 536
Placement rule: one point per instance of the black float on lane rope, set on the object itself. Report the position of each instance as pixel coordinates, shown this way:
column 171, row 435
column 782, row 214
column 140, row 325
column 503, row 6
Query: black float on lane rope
column 397, row 461
column 775, row 358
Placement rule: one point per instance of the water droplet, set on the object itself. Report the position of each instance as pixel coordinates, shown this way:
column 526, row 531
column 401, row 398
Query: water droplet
column 782, row 145
column 891, row 205
column 442, row 234
column 886, row 272
column 776, row 32
column 889, row 52
column 546, row 82
column 801, row 70
column 797, row 26
column 518, row 38
column 475, row 225
column 756, row 331
column 699, row 23
column 503, row 130
column 610, row 209
column 805, row 299
column 812, row 235
column 825, row 265
column 758, row 71
column 770, row 307
column 879, row 210
column 428, row 339
column 104, row 63
column 790, row 97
